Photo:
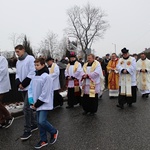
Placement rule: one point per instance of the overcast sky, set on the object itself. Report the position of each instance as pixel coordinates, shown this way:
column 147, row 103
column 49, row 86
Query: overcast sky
column 129, row 22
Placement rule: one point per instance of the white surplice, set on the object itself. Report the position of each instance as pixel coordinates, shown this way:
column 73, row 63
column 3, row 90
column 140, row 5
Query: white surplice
column 4, row 76
column 70, row 72
column 41, row 87
column 143, row 79
column 25, row 68
column 127, row 80
column 95, row 76
column 55, row 77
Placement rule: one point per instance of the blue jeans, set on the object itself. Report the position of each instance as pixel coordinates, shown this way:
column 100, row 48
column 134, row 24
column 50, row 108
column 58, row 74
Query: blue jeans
column 28, row 113
column 44, row 125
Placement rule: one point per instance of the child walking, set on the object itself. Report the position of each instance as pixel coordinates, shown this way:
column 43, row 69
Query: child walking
column 40, row 95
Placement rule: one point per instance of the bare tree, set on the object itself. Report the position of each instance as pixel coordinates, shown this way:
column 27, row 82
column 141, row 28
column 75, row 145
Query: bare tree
column 49, row 46
column 86, row 24
column 16, row 39
column 52, row 43
column 62, row 47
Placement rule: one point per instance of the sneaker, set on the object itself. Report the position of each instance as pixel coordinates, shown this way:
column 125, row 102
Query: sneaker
column 34, row 128
column 9, row 122
column 41, row 144
column 54, row 138
column 26, row 136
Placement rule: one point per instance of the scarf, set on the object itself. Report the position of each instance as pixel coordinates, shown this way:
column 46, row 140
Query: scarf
column 43, row 70
column 23, row 56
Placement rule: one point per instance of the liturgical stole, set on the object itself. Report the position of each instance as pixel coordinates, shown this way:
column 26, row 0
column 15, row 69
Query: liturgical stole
column 92, row 83
column 52, row 68
column 76, row 81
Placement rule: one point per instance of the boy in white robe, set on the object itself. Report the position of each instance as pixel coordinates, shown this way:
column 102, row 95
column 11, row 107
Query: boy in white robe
column 41, row 98
column 25, row 70
column 54, row 73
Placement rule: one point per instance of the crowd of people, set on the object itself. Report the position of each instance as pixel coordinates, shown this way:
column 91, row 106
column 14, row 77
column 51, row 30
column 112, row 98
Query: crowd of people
column 38, row 81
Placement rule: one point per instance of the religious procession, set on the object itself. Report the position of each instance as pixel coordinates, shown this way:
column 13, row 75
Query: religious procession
column 38, row 81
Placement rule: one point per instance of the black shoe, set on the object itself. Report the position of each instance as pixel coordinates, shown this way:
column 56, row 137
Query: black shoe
column 41, row 144
column 146, row 95
column 143, row 95
column 26, row 136
column 130, row 105
column 9, row 122
column 61, row 104
column 111, row 97
column 120, row 106
column 68, row 107
column 2, row 125
column 54, row 138
column 100, row 97
column 34, row 128
column 92, row 114
column 85, row 113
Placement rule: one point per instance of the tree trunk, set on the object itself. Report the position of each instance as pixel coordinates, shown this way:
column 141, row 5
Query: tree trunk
column 85, row 57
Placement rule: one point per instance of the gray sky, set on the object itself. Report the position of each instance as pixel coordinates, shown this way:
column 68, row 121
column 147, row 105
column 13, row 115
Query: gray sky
column 129, row 22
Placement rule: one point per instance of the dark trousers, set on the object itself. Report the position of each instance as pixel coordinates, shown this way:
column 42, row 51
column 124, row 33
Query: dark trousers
column 106, row 80
column 123, row 99
column 73, row 99
column 4, row 113
column 90, row 104
column 58, row 99
column 28, row 113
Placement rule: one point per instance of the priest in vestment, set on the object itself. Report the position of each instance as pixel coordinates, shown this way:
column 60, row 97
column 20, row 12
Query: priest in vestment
column 127, row 80
column 90, row 85
column 54, row 73
column 143, row 75
column 113, row 76
column 73, row 77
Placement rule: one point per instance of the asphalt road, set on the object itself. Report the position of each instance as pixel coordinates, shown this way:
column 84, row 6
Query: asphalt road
column 110, row 129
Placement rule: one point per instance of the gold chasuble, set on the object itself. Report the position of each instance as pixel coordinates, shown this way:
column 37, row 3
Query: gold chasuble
column 76, row 81
column 92, row 83
column 113, row 77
